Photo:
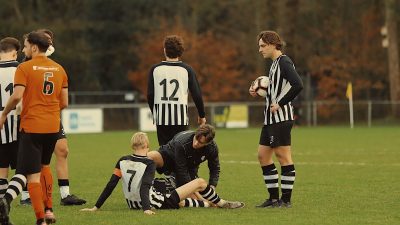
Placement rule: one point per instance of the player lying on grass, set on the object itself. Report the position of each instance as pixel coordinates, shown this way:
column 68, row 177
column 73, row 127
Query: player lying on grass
column 137, row 173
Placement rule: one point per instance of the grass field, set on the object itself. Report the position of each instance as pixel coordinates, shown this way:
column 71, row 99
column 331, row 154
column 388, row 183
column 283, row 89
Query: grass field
column 343, row 176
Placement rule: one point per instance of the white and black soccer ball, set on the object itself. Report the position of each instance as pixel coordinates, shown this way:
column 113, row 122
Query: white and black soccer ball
column 260, row 85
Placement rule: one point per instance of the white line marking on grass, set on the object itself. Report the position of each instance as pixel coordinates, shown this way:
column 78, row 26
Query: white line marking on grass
column 314, row 163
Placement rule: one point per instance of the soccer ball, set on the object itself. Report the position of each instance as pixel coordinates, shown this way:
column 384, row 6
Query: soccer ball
column 260, row 85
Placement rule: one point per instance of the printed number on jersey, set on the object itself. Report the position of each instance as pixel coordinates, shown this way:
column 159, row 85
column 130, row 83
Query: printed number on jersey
column 48, row 86
column 132, row 172
column 173, row 84
column 9, row 88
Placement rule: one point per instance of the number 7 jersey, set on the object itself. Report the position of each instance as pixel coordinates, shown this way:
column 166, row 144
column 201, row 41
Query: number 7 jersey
column 137, row 174
column 43, row 80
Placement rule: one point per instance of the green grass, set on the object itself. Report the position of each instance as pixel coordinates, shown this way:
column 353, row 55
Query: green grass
column 343, row 176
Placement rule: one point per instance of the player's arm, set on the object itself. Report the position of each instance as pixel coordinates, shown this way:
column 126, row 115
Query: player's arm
column 195, row 91
column 291, row 75
column 147, row 180
column 64, row 91
column 112, row 183
column 150, row 90
column 182, row 173
column 213, row 165
column 64, row 98
column 12, row 102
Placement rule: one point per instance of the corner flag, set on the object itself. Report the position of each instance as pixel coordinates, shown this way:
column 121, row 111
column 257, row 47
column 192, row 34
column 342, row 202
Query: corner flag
column 349, row 91
column 349, row 95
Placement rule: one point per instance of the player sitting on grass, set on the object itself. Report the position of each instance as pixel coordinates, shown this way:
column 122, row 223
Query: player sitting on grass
column 137, row 173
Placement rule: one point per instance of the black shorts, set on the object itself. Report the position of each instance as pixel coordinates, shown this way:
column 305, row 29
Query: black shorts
column 35, row 150
column 171, row 202
column 169, row 165
column 8, row 155
column 166, row 132
column 61, row 133
column 277, row 134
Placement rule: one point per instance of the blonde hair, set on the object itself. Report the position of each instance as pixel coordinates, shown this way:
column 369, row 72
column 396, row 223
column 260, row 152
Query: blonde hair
column 139, row 140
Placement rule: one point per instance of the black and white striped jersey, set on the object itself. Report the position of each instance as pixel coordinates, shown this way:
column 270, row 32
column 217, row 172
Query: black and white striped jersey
column 167, row 93
column 10, row 129
column 285, row 84
column 137, row 174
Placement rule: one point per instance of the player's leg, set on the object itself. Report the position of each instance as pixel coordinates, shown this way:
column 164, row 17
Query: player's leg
column 36, row 194
column 46, row 177
column 29, row 162
column 61, row 151
column 208, row 193
column 269, row 171
column 3, row 174
column 284, row 155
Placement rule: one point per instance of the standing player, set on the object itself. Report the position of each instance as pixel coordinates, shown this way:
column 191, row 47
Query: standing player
column 9, row 48
column 137, row 173
column 61, row 152
column 43, row 86
column 167, row 92
column 285, row 85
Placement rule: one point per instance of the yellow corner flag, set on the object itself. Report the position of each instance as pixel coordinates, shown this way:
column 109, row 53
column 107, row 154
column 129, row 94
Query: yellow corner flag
column 349, row 91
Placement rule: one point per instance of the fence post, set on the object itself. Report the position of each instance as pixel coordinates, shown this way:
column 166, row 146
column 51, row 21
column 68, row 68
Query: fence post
column 369, row 113
column 314, row 113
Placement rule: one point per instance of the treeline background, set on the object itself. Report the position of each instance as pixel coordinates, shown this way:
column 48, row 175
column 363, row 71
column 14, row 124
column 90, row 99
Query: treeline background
column 110, row 45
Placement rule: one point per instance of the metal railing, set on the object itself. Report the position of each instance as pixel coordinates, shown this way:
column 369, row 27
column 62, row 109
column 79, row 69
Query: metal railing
column 120, row 116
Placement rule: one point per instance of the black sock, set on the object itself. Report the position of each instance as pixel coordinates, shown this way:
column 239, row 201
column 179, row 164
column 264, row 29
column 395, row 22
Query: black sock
column 63, row 182
column 271, row 179
column 288, row 176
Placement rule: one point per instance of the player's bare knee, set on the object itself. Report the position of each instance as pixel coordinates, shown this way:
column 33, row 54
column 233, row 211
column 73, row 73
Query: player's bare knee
column 201, row 183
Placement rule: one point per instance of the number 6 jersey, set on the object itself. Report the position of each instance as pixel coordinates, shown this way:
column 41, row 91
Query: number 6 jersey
column 43, row 80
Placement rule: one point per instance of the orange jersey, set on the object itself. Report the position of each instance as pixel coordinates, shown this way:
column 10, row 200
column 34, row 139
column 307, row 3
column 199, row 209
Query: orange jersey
column 43, row 80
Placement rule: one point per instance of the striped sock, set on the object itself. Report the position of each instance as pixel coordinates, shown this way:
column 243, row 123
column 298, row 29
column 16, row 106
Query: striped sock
column 210, row 195
column 46, row 180
column 3, row 186
column 190, row 202
column 271, row 179
column 287, row 181
column 17, row 182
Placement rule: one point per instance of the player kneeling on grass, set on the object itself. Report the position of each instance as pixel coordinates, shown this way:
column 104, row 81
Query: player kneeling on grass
column 137, row 173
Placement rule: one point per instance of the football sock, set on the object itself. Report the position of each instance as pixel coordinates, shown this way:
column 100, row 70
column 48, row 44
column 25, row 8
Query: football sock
column 287, row 181
column 46, row 180
column 3, row 186
column 211, row 195
column 271, row 179
column 35, row 191
column 17, row 182
column 64, row 187
column 190, row 202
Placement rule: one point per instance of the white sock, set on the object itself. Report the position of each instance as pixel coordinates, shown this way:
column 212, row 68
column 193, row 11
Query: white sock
column 221, row 203
column 64, row 191
column 24, row 195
